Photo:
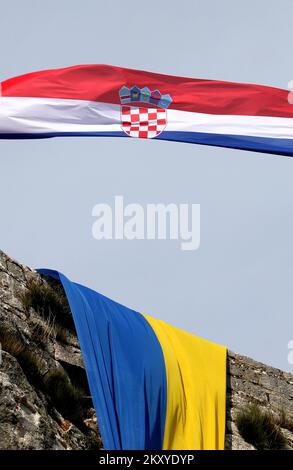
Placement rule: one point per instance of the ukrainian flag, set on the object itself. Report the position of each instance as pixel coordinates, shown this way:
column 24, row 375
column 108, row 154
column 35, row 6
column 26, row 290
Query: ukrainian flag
column 153, row 386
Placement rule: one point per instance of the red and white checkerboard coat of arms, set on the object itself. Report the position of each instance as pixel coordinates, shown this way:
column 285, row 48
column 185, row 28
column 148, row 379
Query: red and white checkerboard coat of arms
column 143, row 122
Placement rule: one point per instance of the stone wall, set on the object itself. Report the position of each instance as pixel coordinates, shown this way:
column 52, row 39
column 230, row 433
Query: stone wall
column 249, row 381
column 29, row 421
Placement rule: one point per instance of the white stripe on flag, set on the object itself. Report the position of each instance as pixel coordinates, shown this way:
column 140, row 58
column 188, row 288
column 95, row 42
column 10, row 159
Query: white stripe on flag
column 39, row 115
column 52, row 115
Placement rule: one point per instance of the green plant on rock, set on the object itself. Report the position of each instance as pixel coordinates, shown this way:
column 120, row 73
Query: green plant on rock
column 29, row 361
column 61, row 333
column 48, row 302
column 32, row 366
column 66, row 397
column 285, row 421
column 260, row 428
column 10, row 342
column 42, row 330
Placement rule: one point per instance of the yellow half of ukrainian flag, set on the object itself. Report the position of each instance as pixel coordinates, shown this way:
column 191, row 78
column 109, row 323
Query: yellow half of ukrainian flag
column 196, row 389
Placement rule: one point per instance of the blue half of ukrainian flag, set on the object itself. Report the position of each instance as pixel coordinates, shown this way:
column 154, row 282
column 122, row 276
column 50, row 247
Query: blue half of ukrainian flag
column 153, row 386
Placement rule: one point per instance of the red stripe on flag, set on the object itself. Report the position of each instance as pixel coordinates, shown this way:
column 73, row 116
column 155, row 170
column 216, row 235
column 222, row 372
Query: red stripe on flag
column 103, row 82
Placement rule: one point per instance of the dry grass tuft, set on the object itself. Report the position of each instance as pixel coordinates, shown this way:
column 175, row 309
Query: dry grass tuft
column 30, row 363
column 260, row 428
column 48, row 302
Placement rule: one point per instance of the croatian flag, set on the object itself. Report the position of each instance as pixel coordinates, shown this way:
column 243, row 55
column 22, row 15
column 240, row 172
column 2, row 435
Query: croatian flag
column 103, row 100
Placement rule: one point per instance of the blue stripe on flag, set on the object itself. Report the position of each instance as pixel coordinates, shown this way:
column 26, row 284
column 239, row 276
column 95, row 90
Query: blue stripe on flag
column 125, row 368
column 241, row 142
column 254, row 144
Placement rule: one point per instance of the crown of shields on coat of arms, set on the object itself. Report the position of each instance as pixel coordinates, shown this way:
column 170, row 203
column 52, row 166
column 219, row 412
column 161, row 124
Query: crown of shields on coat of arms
column 143, row 122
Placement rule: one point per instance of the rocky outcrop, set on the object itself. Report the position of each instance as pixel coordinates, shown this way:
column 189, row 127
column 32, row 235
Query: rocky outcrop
column 29, row 417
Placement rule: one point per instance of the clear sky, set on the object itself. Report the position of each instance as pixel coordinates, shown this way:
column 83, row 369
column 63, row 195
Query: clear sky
column 237, row 288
